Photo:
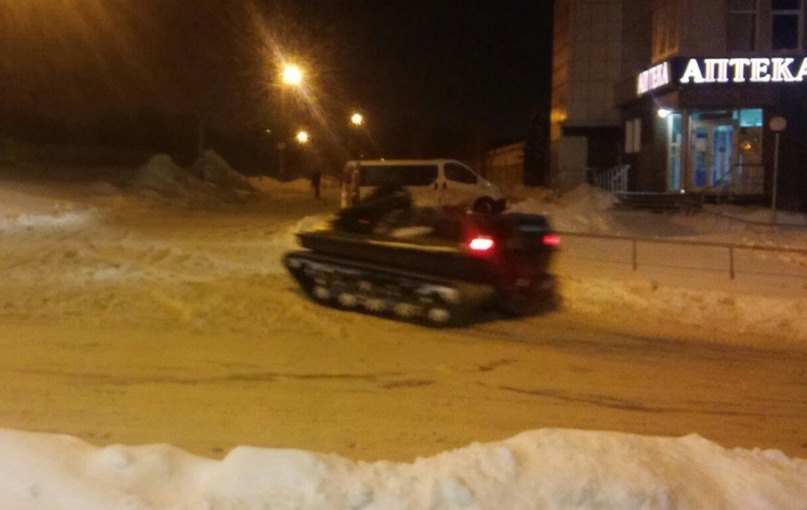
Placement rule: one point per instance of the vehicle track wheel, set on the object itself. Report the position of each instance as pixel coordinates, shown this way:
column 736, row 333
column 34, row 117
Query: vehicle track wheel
column 321, row 293
column 439, row 316
column 347, row 300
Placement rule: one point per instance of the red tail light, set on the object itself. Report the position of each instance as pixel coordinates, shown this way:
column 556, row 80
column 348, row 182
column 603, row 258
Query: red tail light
column 481, row 243
column 551, row 240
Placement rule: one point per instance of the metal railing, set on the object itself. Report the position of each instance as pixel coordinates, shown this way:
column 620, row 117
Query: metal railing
column 610, row 179
column 738, row 180
column 731, row 249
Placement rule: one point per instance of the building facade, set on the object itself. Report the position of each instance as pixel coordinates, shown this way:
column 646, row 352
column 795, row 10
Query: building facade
column 505, row 165
column 693, row 103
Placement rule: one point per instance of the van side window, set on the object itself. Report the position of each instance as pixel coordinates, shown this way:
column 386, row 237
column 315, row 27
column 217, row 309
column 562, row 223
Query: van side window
column 459, row 173
column 406, row 175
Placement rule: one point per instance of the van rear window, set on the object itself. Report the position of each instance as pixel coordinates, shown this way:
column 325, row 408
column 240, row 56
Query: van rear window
column 406, row 175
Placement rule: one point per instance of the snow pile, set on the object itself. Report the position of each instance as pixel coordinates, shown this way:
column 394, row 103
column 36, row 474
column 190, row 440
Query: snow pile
column 214, row 169
column 646, row 304
column 22, row 209
column 63, row 221
column 584, row 209
column 548, row 468
column 271, row 185
column 161, row 176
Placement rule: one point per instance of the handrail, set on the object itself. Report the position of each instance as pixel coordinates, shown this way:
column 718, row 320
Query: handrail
column 728, row 181
column 731, row 247
column 685, row 242
column 610, row 179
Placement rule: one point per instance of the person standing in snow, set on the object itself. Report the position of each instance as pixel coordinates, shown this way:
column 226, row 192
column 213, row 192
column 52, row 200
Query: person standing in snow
column 316, row 179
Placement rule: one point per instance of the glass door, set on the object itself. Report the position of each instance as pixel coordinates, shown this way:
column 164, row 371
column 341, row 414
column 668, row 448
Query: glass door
column 713, row 150
column 674, row 135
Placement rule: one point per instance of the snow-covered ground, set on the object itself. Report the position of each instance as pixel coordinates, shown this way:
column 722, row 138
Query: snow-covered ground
column 151, row 254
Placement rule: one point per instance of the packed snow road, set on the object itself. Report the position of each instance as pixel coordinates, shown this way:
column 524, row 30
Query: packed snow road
column 125, row 320
column 372, row 389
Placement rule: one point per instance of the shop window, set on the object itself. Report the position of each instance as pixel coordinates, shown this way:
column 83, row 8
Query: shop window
column 742, row 25
column 749, row 117
column 786, row 24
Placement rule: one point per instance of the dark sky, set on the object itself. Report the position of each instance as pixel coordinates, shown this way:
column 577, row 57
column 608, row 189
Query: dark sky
column 440, row 63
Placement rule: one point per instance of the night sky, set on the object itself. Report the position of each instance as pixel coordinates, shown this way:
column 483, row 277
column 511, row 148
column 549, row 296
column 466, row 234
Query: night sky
column 103, row 70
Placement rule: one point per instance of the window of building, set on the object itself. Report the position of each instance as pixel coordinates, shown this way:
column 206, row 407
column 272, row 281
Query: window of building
column 786, row 24
column 665, row 24
column 742, row 24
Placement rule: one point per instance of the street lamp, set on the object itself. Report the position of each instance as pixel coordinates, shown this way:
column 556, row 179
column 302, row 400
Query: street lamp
column 302, row 137
column 357, row 119
column 357, row 123
column 291, row 76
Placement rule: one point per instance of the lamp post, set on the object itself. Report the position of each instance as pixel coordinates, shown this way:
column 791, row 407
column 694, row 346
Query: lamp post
column 357, row 123
column 777, row 125
column 291, row 77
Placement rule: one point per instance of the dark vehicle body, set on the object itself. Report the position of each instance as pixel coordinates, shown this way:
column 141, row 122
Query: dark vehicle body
column 439, row 266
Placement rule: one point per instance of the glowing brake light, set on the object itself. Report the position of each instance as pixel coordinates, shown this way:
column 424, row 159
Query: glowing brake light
column 481, row 243
column 551, row 240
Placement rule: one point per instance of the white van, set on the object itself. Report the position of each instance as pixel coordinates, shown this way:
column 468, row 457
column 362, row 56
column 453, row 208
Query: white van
column 431, row 182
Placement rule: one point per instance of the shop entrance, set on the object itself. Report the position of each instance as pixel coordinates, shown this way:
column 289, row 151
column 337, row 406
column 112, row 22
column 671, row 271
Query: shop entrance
column 713, row 151
column 725, row 151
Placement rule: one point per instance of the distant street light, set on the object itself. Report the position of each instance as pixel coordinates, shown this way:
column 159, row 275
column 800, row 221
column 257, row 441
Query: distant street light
column 357, row 123
column 302, row 137
column 357, row 119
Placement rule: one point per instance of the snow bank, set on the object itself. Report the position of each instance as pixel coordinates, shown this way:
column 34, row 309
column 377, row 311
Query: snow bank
column 214, row 169
column 216, row 181
column 714, row 313
column 584, row 209
column 553, row 469
column 270, row 185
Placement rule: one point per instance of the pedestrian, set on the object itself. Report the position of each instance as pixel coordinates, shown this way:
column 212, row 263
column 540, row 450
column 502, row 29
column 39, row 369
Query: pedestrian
column 316, row 179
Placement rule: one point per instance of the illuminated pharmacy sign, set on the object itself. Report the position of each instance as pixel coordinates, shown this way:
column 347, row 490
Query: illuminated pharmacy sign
column 653, row 78
column 696, row 71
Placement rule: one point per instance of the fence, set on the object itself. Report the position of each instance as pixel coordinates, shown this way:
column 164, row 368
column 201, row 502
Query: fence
column 730, row 258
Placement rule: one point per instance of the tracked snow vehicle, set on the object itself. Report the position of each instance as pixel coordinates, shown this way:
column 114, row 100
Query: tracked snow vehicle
column 435, row 266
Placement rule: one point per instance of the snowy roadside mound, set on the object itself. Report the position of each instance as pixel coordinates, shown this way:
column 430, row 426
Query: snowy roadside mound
column 550, row 468
column 584, row 209
column 214, row 169
column 26, row 211
column 645, row 302
column 161, row 176
column 270, row 185
column 67, row 221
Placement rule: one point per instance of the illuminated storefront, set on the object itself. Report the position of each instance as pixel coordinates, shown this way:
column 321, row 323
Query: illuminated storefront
column 700, row 124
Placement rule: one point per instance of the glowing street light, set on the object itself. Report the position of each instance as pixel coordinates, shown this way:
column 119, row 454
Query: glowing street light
column 302, row 137
column 292, row 75
column 357, row 119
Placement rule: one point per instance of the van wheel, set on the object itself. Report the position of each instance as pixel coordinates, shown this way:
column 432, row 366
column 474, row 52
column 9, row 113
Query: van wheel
column 485, row 205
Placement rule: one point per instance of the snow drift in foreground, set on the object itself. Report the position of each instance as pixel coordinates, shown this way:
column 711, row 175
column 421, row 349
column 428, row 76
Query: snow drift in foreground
column 548, row 468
